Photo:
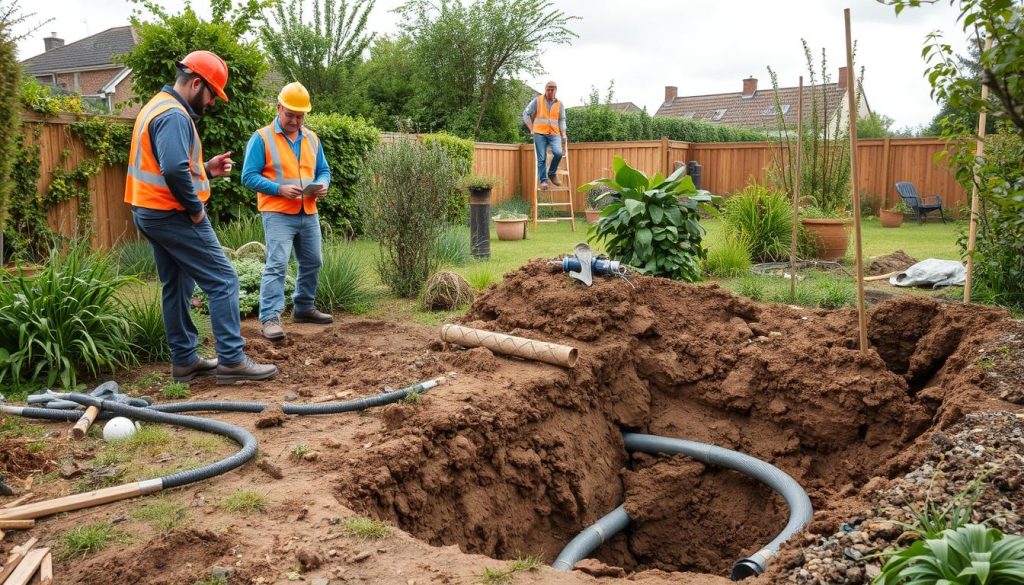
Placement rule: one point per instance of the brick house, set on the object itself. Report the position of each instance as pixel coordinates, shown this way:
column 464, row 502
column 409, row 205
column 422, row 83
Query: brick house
column 755, row 109
column 87, row 67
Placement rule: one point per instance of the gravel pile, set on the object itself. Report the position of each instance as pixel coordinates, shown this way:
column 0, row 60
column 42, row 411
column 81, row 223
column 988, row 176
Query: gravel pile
column 987, row 445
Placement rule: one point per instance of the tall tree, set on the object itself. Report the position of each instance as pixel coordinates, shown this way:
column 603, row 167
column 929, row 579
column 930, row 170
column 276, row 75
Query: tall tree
column 475, row 52
column 322, row 54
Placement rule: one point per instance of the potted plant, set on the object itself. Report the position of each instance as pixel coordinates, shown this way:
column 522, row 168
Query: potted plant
column 596, row 201
column 479, row 186
column 893, row 217
column 510, row 225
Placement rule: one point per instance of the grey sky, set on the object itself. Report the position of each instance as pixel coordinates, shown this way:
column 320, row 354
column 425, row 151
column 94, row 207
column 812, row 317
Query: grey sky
column 701, row 46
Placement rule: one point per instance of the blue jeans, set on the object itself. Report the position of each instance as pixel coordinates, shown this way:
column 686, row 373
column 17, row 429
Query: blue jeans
column 282, row 231
column 188, row 254
column 542, row 142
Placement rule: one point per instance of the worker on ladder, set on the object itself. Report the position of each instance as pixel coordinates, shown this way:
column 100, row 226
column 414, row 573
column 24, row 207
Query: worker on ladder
column 546, row 120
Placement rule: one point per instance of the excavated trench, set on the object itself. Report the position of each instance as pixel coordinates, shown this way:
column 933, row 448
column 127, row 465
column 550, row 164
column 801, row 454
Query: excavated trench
column 523, row 460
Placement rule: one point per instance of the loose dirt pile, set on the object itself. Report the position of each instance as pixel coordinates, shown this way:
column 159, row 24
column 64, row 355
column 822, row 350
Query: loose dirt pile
column 895, row 262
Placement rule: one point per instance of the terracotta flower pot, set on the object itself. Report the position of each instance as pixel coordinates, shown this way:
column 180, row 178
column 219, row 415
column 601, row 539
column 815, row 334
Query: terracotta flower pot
column 592, row 215
column 890, row 219
column 831, row 236
column 510, row 229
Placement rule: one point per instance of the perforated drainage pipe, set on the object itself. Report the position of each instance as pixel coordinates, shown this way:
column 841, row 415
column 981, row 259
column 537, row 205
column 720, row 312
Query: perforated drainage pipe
column 800, row 510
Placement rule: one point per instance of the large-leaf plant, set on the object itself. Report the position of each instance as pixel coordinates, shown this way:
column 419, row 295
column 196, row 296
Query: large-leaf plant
column 971, row 554
column 651, row 223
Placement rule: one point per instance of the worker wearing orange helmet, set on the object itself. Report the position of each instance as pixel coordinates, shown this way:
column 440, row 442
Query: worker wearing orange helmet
column 168, row 185
column 285, row 165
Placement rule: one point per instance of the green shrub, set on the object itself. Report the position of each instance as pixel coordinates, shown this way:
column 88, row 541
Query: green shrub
column 146, row 322
column 460, row 150
column 250, row 273
column 764, row 218
column 971, row 554
column 236, row 233
column 453, row 247
column 654, row 227
column 729, row 258
column 63, row 321
column 135, row 258
column 341, row 286
column 10, row 109
column 599, row 123
column 347, row 142
column 402, row 206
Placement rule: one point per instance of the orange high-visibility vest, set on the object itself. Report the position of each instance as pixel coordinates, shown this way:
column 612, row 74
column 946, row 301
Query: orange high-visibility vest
column 146, row 186
column 283, row 169
column 546, row 121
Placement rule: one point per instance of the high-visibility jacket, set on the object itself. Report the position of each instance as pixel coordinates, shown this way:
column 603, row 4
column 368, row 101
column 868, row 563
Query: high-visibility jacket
column 146, row 186
column 546, row 121
column 284, row 169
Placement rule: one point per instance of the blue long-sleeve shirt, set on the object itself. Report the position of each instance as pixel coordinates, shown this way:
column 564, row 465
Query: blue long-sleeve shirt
column 256, row 161
column 171, row 135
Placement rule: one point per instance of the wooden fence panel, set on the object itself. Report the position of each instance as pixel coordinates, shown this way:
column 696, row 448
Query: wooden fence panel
column 911, row 160
column 499, row 160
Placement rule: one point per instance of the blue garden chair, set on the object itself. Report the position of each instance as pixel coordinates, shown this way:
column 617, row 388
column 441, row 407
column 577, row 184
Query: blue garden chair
column 920, row 205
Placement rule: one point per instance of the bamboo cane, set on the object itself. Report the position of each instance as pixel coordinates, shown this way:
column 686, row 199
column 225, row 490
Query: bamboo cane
column 979, row 150
column 796, row 190
column 851, row 94
column 550, row 353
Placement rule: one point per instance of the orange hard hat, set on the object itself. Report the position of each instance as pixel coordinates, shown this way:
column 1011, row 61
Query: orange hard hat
column 211, row 68
column 295, row 97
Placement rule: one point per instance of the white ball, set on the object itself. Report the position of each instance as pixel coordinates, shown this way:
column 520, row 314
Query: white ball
column 119, row 428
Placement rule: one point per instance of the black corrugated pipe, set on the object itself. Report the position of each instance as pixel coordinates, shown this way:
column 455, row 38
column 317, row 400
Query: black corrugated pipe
column 800, row 510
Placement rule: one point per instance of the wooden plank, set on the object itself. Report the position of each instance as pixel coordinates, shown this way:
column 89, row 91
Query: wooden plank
column 28, row 567
column 15, row 556
column 18, row 500
column 78, row 501
column 46, row 570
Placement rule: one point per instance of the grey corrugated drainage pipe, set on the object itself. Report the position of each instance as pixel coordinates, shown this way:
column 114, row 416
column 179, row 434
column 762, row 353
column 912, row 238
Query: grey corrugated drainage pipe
column 800, row 510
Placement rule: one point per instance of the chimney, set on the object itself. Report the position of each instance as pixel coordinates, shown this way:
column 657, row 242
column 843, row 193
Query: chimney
column 749, row 87
column 843, row 78
column 52, row 42
column 671, row 92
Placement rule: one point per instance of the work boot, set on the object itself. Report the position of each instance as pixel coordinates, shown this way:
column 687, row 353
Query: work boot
column 312, row 316
column 544, row 185
column 272, row 329
column 200, row 367
column 554, row 181
column 245, row 370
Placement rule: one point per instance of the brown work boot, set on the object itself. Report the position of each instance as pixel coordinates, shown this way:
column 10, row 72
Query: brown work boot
column 272, row 329
column 544, row 185
column 201, row 367
column 554, row 181
column 245, row 370
column 313, row 316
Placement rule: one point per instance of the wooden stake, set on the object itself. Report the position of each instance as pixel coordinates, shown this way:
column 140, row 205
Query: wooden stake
column 851, row 93
column 82, row 426
column 46, row 570
column 18, row 500
column 17, row 553
column 979, row 150
column 28, row 567
column 16, row 524
column 79, row 501
column 796, row 190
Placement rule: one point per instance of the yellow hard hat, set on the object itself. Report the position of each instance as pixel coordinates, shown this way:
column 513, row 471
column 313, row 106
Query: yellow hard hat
column 295, row 97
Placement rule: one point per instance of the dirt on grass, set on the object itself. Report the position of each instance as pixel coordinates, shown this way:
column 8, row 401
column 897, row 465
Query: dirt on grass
column 511, row 458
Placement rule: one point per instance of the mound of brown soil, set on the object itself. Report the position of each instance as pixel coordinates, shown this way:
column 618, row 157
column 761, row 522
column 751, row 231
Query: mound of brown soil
column 895, row 262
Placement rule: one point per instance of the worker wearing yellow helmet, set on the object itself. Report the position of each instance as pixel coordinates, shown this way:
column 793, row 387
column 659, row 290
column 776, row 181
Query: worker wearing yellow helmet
column 285, row 165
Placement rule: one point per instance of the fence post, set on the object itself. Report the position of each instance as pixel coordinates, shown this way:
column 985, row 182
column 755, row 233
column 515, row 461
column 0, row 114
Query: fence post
column 666, row 164
column 886, row 174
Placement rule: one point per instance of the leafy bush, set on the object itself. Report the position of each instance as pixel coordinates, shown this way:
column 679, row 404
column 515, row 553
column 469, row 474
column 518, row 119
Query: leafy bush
column 654, row 226
column 460, row 151
column 63, row 321
column 346, row 141
column 341, row 286
column 250, row 273
column 10, row 109
column 729, row 258
column 453, row 247
column 764, row 218
column 402, row 205
column 973, row 553
column 166, row 38
column 599, row 123
column 146, row 324
column 135, row 258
